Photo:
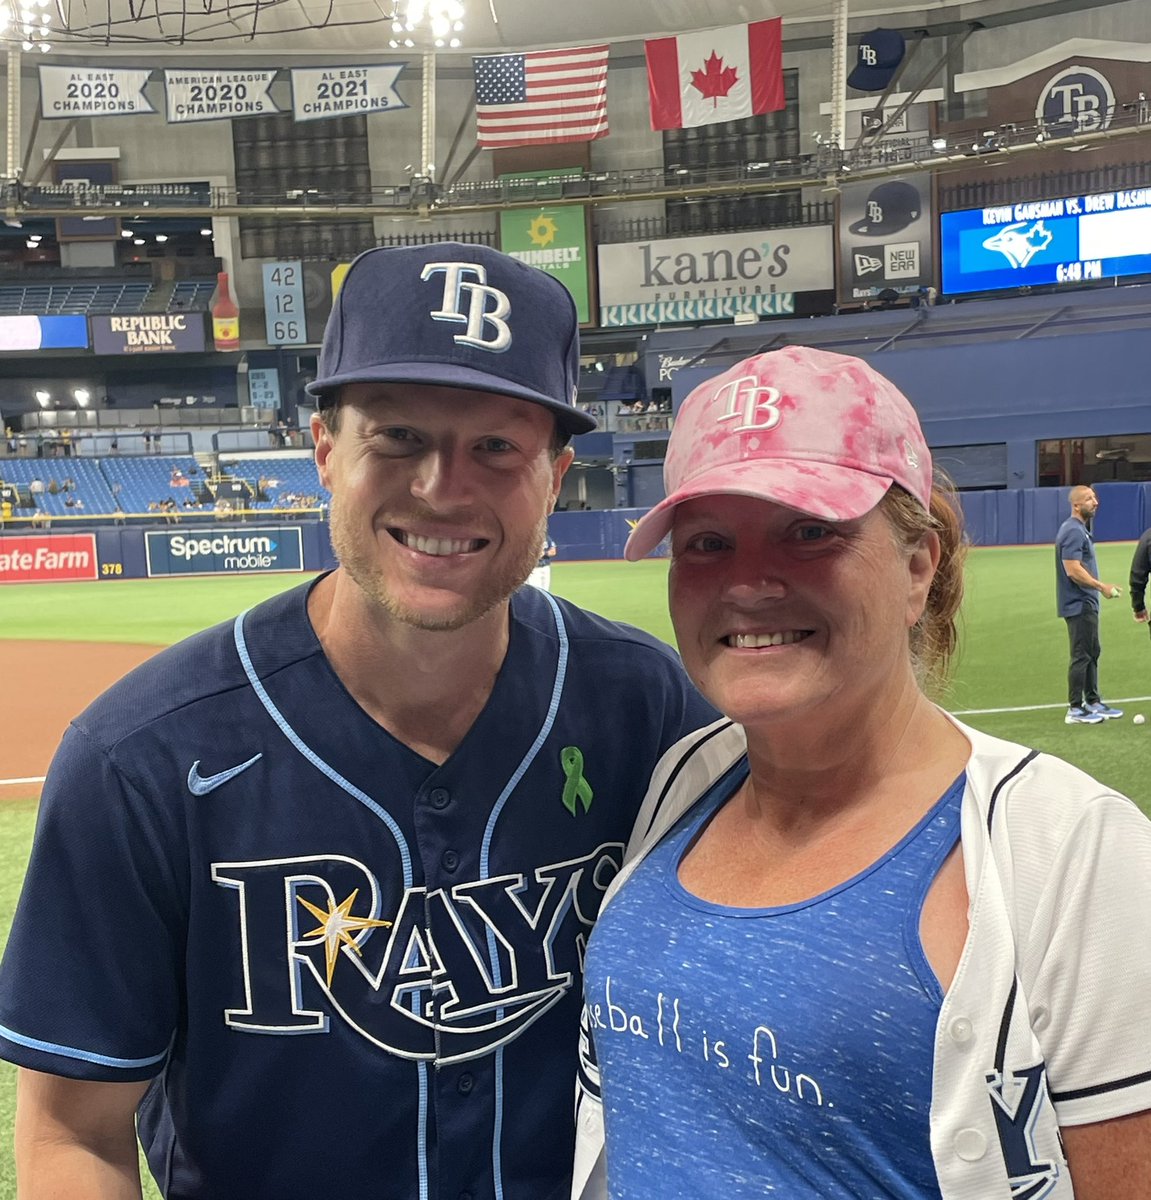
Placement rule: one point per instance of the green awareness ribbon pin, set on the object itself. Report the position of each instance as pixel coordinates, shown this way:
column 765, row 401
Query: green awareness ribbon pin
column 576, row 788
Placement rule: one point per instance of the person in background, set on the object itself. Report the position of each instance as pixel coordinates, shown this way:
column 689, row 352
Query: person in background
column 1077, row 592
column 541, row 575
column 310, row 892
column 1140, row 572
column 860, row 949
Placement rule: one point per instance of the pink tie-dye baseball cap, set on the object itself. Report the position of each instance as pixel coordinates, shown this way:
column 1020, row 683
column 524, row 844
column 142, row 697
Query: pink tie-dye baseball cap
column 822, row 433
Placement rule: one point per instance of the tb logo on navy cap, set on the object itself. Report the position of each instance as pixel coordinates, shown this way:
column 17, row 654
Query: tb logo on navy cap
column 890, row 208
column 880, row 53
column 458, row 316
column 478, row 317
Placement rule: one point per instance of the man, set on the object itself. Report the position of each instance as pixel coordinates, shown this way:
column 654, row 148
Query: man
column 1077, row 593
column 1140, row 572
column 311, row 891
column 541, row 575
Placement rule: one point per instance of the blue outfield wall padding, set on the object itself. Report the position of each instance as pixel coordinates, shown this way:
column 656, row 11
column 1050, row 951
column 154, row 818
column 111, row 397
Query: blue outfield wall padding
column 1121, row 511
column 120, row 552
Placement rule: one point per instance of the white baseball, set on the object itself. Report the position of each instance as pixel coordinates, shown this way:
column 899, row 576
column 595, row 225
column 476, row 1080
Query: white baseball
column 1113, row 592
column 1139, row 718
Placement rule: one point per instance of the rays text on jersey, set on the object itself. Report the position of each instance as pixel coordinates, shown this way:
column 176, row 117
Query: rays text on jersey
column 450, row 975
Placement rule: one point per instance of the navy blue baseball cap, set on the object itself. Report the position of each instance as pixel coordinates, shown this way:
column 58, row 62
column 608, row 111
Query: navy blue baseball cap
column 459, row 316
column 880, row 53
column 890, row 208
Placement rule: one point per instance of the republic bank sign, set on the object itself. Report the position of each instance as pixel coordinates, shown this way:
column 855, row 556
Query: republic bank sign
column 713, row 278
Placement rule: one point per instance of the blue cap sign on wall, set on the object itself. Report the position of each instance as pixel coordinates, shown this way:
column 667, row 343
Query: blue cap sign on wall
column 891, row 207
column 880, row 53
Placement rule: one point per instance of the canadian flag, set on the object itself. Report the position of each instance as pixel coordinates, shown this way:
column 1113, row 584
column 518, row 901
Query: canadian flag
column 717, row 75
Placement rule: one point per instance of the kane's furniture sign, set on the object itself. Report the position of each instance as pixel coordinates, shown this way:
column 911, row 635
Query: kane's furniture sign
column 709, row 278
column 69, row 92
column 61, row 558
column 224, row 551
column 149, row 333
column 217, row 95
column 319, row 92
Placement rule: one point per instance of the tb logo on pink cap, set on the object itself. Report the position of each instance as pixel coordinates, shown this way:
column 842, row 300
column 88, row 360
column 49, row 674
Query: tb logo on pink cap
column 748, row 399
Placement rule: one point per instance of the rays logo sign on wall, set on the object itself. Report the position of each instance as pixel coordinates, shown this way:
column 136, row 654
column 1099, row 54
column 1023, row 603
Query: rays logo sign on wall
column 1076, row 100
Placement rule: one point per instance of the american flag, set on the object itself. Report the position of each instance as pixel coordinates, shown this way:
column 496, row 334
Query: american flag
column 541, row 96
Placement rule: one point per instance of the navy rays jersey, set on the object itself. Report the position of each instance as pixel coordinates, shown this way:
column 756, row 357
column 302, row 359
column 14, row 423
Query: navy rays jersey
column 348, row 972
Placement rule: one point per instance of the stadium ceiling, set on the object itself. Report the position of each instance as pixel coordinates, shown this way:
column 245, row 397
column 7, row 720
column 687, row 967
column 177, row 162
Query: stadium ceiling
column 323, row 28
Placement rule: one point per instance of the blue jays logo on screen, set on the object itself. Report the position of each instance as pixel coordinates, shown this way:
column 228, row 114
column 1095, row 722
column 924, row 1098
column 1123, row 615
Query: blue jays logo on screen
column 479, row 318
column 1015, row 1100
column 1016, row 245
column 1020, row 243
column 505, row 950
column 1077, row 100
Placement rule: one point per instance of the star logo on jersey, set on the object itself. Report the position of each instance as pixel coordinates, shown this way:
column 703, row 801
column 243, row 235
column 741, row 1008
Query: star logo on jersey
column 337, row 927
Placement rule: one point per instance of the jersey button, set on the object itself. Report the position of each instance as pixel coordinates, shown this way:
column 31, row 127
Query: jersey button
column 465, row 1196
column 450, row 860
column 970, row 1145
column 439, row 797
column 465, row 1083
column 961, row 1031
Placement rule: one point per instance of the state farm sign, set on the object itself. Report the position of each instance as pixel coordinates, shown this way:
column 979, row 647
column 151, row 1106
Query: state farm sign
column 59, row 559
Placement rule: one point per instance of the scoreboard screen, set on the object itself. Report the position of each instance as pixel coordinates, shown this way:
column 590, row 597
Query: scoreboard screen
column 1039, row 242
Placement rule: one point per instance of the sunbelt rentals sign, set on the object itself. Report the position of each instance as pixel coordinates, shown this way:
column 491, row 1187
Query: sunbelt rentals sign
column 224, row 551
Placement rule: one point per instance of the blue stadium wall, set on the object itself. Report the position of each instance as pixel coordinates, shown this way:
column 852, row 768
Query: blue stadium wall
column 1019, row 516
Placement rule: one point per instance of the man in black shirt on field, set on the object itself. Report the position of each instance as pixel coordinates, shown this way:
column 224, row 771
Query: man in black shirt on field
column 1140, row 570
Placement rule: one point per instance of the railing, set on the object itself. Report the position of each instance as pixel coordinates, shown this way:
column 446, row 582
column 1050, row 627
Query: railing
column 653, row 228
column 984, row 193
column 421, row 196
column 93, row 443
column 24, row 521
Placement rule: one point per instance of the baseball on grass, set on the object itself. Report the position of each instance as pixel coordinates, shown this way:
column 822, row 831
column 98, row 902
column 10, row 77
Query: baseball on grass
column 1113, row 593
column 1139, row 718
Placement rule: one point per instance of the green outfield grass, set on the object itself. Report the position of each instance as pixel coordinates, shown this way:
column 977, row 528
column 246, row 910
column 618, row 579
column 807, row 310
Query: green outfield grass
column 1013, row 655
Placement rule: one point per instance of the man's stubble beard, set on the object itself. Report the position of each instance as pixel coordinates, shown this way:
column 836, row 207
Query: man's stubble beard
column 364, row 568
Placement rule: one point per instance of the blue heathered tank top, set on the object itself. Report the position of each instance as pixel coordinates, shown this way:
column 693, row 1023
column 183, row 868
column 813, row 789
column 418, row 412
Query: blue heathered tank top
column 787, row 1052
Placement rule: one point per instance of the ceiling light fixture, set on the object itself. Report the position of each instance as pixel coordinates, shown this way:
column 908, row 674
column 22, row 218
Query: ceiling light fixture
column 431, row 21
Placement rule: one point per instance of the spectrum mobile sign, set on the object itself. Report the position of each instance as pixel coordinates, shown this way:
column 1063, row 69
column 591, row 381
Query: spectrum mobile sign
column 224, row 551
column 64, row 558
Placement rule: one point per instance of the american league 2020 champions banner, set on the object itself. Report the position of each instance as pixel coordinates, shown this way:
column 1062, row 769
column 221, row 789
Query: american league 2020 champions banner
column 217, row 95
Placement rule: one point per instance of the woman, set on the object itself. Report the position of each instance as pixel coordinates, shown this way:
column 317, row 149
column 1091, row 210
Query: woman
column 862, row 951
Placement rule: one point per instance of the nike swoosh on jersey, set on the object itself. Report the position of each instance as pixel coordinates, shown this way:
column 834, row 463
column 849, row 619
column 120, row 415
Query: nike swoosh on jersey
column 201, row 785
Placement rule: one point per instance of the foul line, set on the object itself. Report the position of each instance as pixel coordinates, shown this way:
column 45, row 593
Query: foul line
column 955, row 712
column 982, row 712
